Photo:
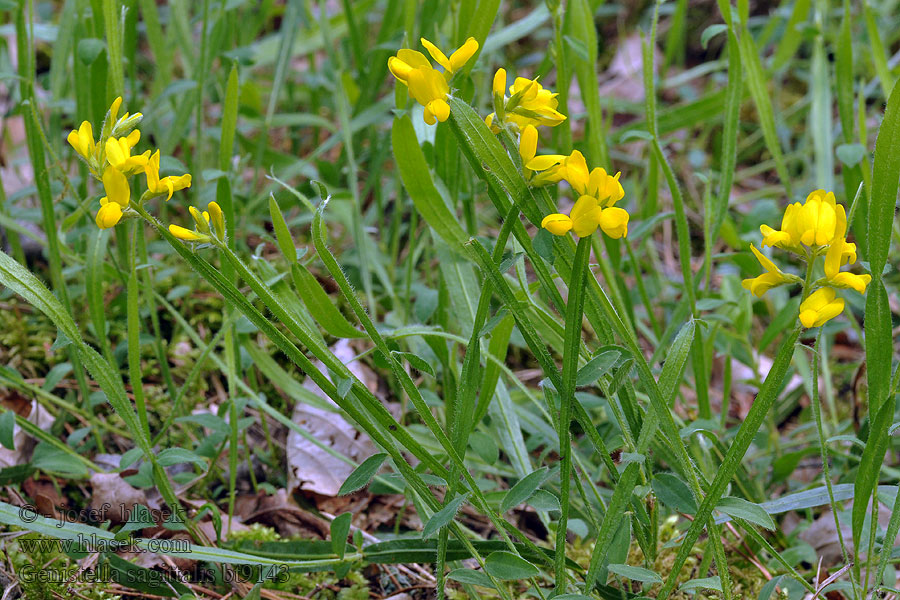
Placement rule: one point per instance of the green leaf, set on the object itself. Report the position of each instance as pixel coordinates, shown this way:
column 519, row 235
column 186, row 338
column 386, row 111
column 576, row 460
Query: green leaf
column 343, row 386
column 884, row 187
column 757, row 83
column 711, row 32
column 485, row 446
column 62, row 340
column 748, row 511
column 7, row 425
column 415, row 361
column 597, row 367
column 416, row 176
column 340, row 528
column 850, row 154
column 472, row 577
column 443, row 517
column 175, row 456
column 282, row 233
column 707, row 583
column 507, row 566
column 363, row 474
column 523, row 489
column 544, row 500
column 320, row 304
column 89, row 49
column 635, row 573
column 674, row 493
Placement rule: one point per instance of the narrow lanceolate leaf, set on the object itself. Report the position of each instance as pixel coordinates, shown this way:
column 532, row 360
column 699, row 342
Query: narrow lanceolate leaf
column 340, row 528
column 756, row 81
column 748, row 511
column 881, row 407
column 733, row 95
column 509, row 567
column 417, row 180
column 885, row 174
column 758, row 411
column 282, row 233
column 443, row 517
column 320, row 305
column 524, row 489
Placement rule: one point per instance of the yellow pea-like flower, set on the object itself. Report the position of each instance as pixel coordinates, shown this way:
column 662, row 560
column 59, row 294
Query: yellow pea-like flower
column 118, row 195
column 820, row 307
column 202, row 220
column 118, row 153
column 557, row 224
column 816, row 222
column 426, row 85
column 116, row 186
column 167, row 185
column 457, row 60
column 109, row 215
column 598, row 194
column 773, row 277
column 217, row 219
column 82, row 140
column 187, row 235
column 834, row 260
column 430, row 89
column 585, row 217
column 531, row 103
column 528, row 140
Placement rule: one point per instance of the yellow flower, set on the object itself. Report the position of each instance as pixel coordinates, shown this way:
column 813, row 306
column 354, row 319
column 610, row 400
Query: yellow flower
column 109, row 215
column 489, row 121
column 426, row 85
column 82, row 140
column 773, row 277
column 116, row 186
column 585, row 217
column 166, row 185
column 820, row 307
column 201, row 223
column 528, row 104
column 834, row 260
column 550, row 165
column 816, row 222
column 118, row 194
column 457, row 60
column 187, row 235
column 118, row 153
column 573, row 168
column 598, row 194
column 528, row 140
column 217, row 219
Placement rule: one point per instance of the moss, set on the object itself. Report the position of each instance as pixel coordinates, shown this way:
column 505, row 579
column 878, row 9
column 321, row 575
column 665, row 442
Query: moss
column 58, row 573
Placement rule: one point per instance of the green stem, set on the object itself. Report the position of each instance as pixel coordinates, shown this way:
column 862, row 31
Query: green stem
column 134, row 332
column 820, row 428
column 572, row 345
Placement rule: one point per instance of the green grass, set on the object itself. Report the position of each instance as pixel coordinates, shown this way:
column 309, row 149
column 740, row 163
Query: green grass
column 603, row 418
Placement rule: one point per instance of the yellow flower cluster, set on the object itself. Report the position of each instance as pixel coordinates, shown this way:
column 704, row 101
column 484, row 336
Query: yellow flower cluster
column 211, row 216
column 428, row 86
column 111, row 161
column 527, row 106
column 818, row 227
